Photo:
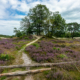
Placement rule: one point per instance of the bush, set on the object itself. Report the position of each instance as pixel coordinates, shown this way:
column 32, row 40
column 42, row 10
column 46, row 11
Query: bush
column 2, row 78
column 62, row 56
column 58, row 49
column 59, row 34
column 26, row 38
column 54, row 48
column 5, row 57
column 21, row 37
column 63, row 45
column 36, row 45
column 49, row 34
column 17, row 48
column 68, row 35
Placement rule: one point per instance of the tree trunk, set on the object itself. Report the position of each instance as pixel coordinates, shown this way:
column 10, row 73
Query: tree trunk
column 39, row 30
column 39, row 65
column 21, row 73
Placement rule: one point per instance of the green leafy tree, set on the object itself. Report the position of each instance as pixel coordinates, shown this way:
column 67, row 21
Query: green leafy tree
column 57, row 24
column 73, row 27
column 26, row 25
column 18, row 33
column 38, row 15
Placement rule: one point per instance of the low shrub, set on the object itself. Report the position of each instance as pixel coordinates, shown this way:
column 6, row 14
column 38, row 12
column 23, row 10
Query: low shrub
column 58, row 49
column 17, row 48
column 54, row 48
column 36, row 45
column 26, row 38
column 6, row 57
column 63, row 45
column 62, row 56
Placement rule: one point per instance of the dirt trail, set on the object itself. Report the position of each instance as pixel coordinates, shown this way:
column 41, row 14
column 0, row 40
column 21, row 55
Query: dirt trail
column 27, row 60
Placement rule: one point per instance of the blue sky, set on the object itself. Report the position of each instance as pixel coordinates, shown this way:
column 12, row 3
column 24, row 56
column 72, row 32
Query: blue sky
column 12, row 11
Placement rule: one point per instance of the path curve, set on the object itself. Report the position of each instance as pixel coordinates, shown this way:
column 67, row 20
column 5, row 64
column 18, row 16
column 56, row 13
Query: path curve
column 27, row 60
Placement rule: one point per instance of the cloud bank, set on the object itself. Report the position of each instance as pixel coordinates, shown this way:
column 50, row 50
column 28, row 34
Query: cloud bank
column 11, row 11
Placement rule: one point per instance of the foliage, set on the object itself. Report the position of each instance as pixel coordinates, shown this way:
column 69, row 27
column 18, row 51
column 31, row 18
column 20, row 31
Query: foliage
column 62, row 56
column 36, row 45
column 73, row 28
column 4, row 77
column 18, row 32
column 5, row 57
column 48, row 51
column 41, row 21
column 54, row 48
column 9, row 47
column 5, row 36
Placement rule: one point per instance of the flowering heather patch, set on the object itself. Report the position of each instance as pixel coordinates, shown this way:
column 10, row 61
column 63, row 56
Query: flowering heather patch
column 57, row 41
column 57, row 75
column 2, row 62
column 43, row 53
column 9, row 45
column 1, row 51
column 48, row 52
column 12, row 43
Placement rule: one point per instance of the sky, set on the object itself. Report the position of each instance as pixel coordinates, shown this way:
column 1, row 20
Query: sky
column 12, row 11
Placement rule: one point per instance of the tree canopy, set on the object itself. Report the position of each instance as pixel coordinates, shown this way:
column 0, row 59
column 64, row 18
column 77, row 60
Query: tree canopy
column 41, row 21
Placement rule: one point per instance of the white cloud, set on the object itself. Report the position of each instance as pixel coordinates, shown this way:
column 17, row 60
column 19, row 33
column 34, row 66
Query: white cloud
column 3, row 7
column 7, row 27
column 24, row 7
column 18, row 16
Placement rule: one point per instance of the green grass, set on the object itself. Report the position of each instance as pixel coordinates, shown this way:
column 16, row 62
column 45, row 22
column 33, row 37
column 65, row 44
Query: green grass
column 6, row 57
column 3, row 78
column 62, row 56
column 54, row 48
column 36, row 45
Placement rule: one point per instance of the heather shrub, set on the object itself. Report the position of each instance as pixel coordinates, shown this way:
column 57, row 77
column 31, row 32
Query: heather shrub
column 1, row 51
column 48, row 52
column 26, row 38
column 55, row 75
column 58, row 41
column 74, row 46
column 59, row 75
column 20, row 37
column 63, row 45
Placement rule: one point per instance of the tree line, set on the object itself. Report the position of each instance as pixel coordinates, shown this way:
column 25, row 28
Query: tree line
column 41, row 21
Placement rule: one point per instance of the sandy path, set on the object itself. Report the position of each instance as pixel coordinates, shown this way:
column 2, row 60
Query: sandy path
column 27, row 60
